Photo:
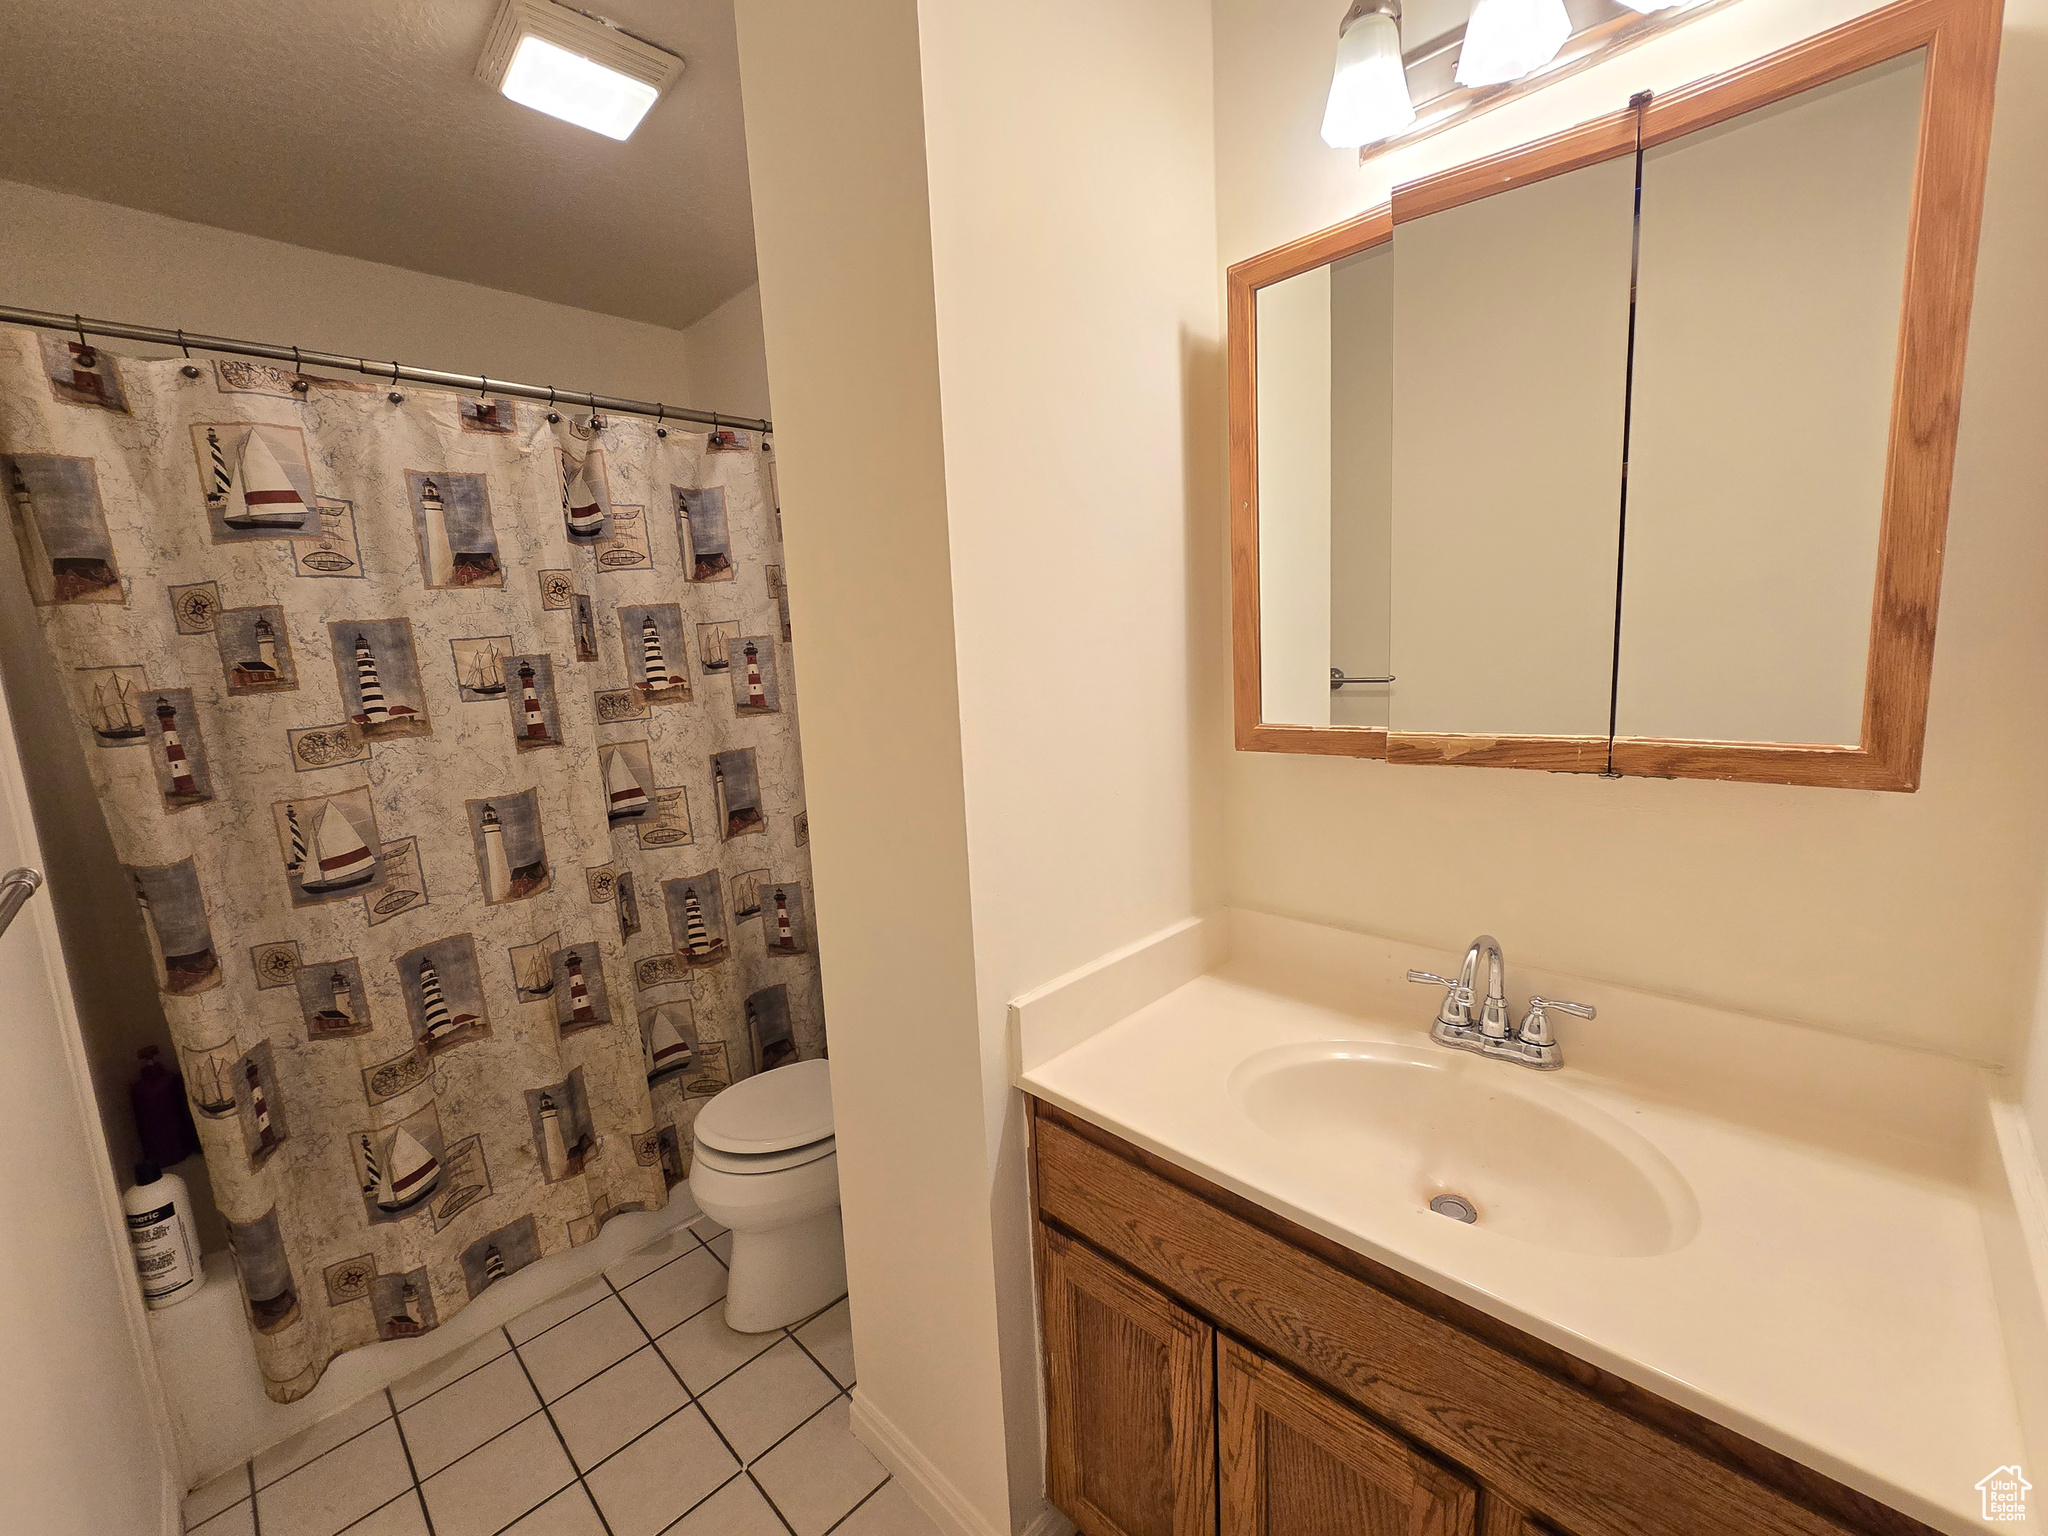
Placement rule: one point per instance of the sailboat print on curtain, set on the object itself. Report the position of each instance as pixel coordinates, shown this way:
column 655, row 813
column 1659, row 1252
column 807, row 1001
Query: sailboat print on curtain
column 256, row 482
column 398, row 1168
column 330, row 845
column 628, row 775
column 480, row 667
column 533, row 968
column 60, row 528
column 668, row 1039
column 379, row 673
column 113, row 704
column 586, row 496
column 326, row 992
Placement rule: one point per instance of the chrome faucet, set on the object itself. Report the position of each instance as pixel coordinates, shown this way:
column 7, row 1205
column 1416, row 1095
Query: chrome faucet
column 1533, row 1045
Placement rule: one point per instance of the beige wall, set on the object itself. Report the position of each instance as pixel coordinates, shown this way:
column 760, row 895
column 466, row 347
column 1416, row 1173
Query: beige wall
column 728, row 361
column 1915, row 918
column 71, row 254
column 995, row 361
column 843, row 242
column 1079, row 354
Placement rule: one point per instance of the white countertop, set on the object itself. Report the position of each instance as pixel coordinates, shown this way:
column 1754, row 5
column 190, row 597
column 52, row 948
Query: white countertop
column 1835, row 1302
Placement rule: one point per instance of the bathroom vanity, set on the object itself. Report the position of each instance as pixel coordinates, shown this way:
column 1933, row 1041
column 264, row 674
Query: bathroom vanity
column 1210, row 1366
column 1727, row 1275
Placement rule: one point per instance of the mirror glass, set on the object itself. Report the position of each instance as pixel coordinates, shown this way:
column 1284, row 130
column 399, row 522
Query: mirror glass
column 1767, row 337
column 1510, row 381
column 1495, row 514
column 1325, row 395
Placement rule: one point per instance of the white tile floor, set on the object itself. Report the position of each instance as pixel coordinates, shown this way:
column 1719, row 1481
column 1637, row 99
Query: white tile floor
column 624, row 1407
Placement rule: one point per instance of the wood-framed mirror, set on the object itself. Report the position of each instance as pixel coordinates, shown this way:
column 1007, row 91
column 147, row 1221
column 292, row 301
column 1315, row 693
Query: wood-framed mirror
column 1627, row 451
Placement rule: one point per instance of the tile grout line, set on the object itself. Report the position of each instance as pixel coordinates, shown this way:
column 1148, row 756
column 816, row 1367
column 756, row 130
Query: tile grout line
column 255, row 1514
column 254, row 1488
column 885, row 1482
column 411, row 1469
column 774, row 1508
column 559, row 1440
column 730, row 1449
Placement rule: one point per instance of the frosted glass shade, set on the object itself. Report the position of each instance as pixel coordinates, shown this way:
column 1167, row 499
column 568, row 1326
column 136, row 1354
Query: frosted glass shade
column 1644, row 7
column 1506, row 39
column 562, row 84
column 1369, row 92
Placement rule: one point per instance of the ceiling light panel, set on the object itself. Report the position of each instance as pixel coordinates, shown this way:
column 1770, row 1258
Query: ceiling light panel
column 574, row 67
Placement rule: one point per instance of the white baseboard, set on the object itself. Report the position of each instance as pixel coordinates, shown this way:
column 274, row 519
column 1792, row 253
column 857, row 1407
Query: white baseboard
column 930, row 1488
column 1050, row 1522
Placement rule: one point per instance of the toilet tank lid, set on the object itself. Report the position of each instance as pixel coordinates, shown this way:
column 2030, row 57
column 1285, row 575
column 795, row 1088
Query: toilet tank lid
column 771, row 1111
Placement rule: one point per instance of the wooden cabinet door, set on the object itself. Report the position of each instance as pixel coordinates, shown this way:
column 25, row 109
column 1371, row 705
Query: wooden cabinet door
column 1130, row 1401
column 1299, row 1463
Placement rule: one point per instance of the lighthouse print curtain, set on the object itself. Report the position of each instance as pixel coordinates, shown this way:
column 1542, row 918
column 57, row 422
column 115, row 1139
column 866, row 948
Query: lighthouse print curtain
column 452, row 755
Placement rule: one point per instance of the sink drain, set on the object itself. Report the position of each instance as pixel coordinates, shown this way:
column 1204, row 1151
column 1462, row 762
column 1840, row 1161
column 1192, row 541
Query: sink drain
column 1457, row 1207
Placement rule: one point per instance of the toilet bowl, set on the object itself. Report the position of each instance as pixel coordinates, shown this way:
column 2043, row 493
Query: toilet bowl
column 764, row 1165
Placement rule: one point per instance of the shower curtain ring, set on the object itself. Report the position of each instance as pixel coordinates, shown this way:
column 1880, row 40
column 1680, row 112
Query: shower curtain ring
column 86, row 354
column 596, row 421
column 553, row 414
column 395, row 397
column 188, row 370
column 660, row 415
column 483, row 383
column 300, row 384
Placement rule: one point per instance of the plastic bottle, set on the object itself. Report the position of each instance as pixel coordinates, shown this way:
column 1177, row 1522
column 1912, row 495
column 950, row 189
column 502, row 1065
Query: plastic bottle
column 160, row 1229
column 163, row 1120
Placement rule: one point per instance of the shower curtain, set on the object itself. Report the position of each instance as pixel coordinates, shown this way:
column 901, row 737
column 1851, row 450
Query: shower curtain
column 451, row 752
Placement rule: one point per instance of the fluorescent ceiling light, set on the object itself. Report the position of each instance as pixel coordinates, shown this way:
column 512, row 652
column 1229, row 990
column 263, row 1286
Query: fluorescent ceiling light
column 576, row 67
column 1507, row 39
column 1369, row 92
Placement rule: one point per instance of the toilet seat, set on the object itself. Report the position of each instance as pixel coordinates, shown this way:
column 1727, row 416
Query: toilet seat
column 787, row 1110
column 762, row 1162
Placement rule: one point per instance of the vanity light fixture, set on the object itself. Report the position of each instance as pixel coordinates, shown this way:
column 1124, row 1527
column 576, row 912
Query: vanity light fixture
column 1369, row 91
column 1507, row 39
column 574, row 66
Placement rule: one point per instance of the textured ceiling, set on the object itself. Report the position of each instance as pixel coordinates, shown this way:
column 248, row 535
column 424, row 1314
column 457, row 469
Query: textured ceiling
column 358, row 126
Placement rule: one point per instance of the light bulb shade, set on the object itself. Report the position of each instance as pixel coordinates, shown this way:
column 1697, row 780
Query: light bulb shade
column 1369, row 92
column 578, row 90
column 1506, row 39
column 1645, row 7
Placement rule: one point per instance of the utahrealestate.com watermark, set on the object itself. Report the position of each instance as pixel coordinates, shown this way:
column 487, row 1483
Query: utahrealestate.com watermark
column 2005, row 1496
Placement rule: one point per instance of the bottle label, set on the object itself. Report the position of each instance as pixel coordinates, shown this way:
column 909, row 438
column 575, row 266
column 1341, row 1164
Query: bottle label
column 160, row 1259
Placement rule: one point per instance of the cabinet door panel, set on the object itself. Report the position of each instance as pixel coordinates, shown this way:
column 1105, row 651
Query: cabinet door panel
column 1299, row 1463
column 1130, row 1403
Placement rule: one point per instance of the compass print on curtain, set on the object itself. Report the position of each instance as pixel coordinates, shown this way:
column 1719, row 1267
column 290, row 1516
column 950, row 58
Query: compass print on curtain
column 437, row 845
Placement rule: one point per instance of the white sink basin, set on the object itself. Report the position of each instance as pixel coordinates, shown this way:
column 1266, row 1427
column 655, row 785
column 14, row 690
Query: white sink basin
column 1535, row 1162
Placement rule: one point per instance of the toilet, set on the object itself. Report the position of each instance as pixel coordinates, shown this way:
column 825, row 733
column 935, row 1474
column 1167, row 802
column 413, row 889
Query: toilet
column 765, row 1166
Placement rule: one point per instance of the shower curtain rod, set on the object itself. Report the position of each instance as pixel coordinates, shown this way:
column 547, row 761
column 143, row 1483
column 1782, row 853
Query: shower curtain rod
column 391, row 372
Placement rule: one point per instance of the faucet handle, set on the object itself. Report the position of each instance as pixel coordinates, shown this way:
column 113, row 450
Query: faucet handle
column 1535, row 1028
column 1431, row 976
